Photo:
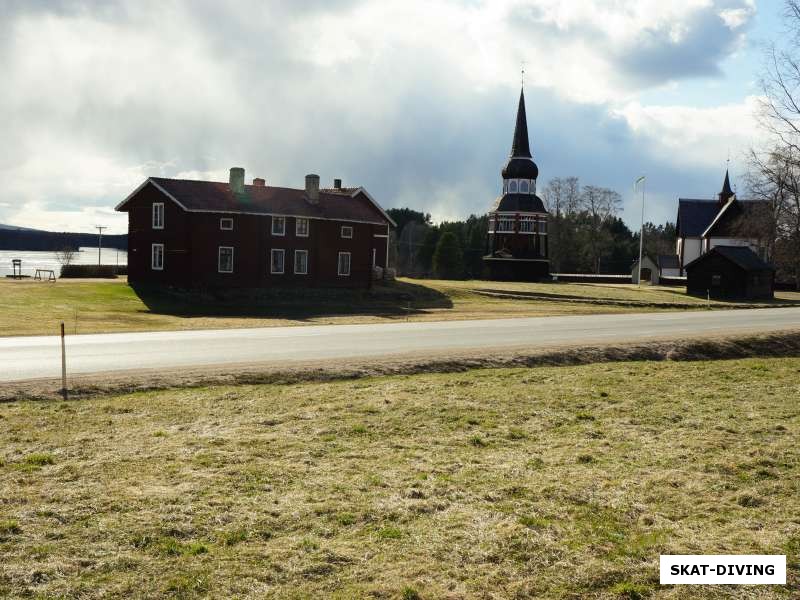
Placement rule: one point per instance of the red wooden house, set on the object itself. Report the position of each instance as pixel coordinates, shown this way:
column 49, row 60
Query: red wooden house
column 211, row 234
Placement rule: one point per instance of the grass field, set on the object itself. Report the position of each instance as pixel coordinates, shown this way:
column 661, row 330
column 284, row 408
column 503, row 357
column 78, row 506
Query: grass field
column 35, row 308
column 560, row 482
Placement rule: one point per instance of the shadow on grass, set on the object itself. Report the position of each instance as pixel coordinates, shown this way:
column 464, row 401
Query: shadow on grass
column 391, row 300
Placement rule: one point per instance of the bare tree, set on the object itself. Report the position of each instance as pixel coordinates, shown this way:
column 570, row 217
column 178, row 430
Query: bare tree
column 65, row 256
column 775, row 173
column 599, row 205
column 780, row 107
column 562, row 198
column 774, row 178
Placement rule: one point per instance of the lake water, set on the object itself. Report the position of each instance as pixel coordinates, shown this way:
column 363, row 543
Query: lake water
column 47, row 260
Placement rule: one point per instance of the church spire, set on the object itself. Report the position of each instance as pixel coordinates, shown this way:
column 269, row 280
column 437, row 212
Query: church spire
column 520, row 146
column 726, row 193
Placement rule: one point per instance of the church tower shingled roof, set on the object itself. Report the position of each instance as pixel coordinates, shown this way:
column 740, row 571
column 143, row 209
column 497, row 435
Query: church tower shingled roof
column 521, row 146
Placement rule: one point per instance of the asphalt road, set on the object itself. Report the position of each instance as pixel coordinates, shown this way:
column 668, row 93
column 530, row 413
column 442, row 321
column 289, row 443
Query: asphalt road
column 24, row 358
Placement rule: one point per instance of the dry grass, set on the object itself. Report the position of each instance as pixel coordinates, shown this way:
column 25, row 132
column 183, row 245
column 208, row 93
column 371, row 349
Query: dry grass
column 559, row 482
column 37, row 308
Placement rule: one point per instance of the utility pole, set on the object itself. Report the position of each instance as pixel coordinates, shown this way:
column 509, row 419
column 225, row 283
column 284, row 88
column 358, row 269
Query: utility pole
column 100, row 242
column 641, row 230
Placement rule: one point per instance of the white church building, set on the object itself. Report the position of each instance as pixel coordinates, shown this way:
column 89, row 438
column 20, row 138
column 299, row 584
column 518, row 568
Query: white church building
column 703, row 224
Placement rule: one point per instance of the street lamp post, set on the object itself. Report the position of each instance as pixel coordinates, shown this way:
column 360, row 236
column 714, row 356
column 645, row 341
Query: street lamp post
column 641, row 229
column 100, row 242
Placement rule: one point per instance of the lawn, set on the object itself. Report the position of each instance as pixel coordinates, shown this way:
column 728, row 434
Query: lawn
column 563, row 482
column 37, row 308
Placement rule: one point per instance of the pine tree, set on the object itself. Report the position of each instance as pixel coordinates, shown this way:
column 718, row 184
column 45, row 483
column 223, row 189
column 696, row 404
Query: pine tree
column 448, row 259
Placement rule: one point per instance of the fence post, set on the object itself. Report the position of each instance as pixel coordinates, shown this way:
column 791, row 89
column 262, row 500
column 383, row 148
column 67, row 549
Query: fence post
column 63, row 364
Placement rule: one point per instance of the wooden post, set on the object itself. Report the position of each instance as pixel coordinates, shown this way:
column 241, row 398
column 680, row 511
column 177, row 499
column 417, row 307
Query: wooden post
column 63, row 365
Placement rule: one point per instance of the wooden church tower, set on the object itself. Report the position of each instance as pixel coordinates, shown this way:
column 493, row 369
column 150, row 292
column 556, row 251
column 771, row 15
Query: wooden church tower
column 517, row 238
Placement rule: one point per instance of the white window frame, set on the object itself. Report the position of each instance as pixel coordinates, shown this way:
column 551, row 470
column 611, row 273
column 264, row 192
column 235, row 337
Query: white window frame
column 219, row 258
column 348, row 228
column 282, row 221
column 297, row 222
column 298, row 253
column 272, row 252
column 228, row 220
column 505, row 225
column 349, row 264
column 153, row 266
column 158, row 211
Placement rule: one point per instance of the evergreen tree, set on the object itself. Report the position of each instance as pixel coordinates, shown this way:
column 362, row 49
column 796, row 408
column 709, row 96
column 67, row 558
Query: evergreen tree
column 448, row 259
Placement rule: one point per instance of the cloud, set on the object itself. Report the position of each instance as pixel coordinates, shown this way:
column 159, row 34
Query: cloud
column 689, row 136
column 415, row 100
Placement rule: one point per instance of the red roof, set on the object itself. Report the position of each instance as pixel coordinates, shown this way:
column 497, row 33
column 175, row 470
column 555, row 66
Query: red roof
column 352, row 204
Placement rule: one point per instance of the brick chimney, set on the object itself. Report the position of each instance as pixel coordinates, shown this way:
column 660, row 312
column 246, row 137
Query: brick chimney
column 236, row 180
column 337, row 184
column 312, row 187
column 259, row 182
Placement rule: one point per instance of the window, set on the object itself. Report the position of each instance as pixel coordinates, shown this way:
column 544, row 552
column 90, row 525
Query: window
column 226, row 224
column 225, row 260
column 505, row 224
column 527, row 225
column 347, row 231
column 158, row 215
column 157, row 257
column 301, row 262
column 276, row 256
column 523, row 187
column 512, row 187
column 344, row 264
column 278, row 225
column 542, row 225
column 301, row 227
column 716, row 280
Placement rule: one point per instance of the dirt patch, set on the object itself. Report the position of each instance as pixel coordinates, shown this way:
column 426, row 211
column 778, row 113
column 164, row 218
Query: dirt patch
column 781, row 344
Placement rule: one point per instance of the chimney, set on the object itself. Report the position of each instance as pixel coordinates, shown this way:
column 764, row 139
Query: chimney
column 337, row 184
column 259, row 182
column 312, row 187
column 237, row 180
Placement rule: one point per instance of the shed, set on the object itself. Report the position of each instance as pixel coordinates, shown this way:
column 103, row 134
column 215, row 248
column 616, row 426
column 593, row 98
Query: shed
column 734, row 272
column 650, row 271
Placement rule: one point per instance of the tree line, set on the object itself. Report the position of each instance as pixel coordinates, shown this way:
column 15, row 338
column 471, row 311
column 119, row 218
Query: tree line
column 585, row 232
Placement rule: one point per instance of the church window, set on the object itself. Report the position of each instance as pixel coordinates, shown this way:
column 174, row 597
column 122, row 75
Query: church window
column 505, row 224
column 523, row 186
column 526, row 225
column 512, row 187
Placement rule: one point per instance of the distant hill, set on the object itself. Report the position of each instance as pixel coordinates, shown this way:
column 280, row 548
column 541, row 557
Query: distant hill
column 15, row 228
column 24, row 238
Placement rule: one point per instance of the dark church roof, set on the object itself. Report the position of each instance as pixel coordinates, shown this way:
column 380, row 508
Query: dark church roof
column 742, row 256
column 520, row 164
column 740, row 218
column 668, row 261
column 214, row 196
column 694, row 216
column 519, row 203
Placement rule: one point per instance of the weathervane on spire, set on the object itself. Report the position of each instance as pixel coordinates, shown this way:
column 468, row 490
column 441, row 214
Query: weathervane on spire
column 522, row 72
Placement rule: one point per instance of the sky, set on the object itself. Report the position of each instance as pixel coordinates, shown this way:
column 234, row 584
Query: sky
column 414, row 100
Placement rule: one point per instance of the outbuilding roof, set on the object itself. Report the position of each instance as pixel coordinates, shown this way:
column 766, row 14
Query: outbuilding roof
column 741, row 256
column 213, row 196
